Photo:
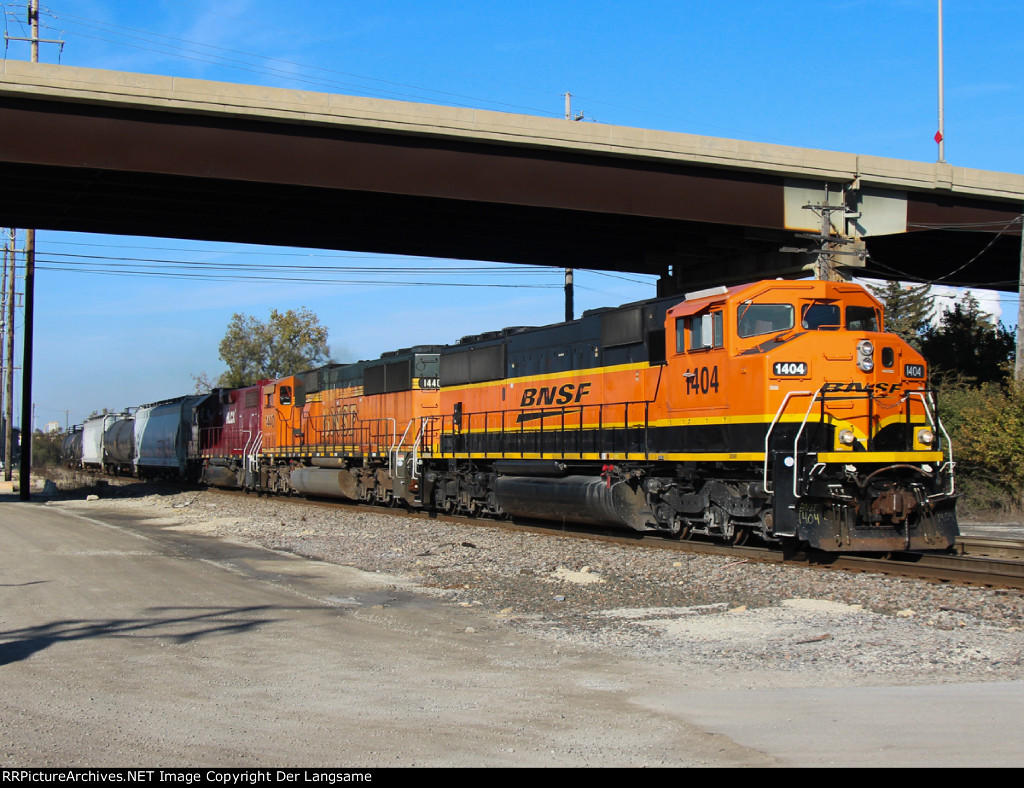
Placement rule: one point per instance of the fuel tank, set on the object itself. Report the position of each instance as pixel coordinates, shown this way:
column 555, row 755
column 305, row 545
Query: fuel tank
column 575, row 499
column 326, row 482
column 220, row 476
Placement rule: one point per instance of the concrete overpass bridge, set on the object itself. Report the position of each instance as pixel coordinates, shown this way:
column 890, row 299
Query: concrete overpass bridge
column 110, row 152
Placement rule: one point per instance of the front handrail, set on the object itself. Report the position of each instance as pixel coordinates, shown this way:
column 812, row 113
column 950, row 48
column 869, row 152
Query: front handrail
column 771, row 428
column 397, row 444
column 949, row 443
column 822, row 396
column 799, row 434
column 416, row 446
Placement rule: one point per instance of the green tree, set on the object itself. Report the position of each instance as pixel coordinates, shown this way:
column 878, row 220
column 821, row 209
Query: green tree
column 287, row 343
column 965, row 343
column 908, row 309
column 986, row 424
column 46, row 448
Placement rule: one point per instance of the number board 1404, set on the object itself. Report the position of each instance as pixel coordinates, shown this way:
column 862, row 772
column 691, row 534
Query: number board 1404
column 794, row 369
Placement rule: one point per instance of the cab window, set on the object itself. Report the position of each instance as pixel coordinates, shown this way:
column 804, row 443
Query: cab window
column 755, row 319
column 706, row 331
column 820, row 316
column 286, row 395
column 861, row 318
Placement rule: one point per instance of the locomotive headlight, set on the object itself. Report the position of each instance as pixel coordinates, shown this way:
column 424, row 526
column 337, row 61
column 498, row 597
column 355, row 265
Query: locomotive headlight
column 846, row 437
column 865, row 351
column 925, row 436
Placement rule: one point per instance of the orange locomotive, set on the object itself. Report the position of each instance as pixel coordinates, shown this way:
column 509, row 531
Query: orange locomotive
column 352, row 431
column 778, row 409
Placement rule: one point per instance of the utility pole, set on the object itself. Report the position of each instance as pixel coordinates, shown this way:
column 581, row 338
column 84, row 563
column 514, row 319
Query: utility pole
column 9, row 410
column 826, row 265
column 33, row 18
column 30, row 277
column 4, row 324
column 25, row 470
column 35, row 40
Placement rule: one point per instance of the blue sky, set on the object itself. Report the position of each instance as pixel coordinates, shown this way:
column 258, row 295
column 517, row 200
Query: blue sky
column 857, row 76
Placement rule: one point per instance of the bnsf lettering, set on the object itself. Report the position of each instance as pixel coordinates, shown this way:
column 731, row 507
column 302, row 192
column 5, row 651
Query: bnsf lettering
column 874, row 388
column 554, row 395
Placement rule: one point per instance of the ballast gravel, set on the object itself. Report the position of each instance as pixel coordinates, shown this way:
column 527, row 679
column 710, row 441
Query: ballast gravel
column 655, row 606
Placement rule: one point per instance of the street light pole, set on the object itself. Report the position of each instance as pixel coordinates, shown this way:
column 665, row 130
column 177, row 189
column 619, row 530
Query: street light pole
column 940, row 135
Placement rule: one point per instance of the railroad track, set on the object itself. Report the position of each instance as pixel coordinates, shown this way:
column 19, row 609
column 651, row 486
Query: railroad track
column 990, row 547
column 979, row 561
column 940, row 568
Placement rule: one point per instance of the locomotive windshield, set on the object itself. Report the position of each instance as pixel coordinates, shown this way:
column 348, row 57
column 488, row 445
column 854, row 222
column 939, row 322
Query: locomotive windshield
column 825, row 316
column 755, row 319
column 861, row 318
column 820, row 316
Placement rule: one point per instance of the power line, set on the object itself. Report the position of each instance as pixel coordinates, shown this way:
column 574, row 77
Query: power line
column 228, row 277
column 232, row 62
column 242, row 266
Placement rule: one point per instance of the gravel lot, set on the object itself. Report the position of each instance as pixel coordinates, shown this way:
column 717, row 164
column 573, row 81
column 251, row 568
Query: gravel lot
column 784, row 625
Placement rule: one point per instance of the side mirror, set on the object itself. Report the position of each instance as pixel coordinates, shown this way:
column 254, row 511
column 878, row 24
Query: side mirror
column 707, row 329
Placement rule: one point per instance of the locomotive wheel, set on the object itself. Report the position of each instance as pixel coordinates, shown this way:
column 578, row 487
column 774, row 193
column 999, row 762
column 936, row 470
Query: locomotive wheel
column 740, row 536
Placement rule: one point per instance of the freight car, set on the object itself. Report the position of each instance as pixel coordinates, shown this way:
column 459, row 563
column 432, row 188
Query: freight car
column 162, row 432
column 778, row 409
